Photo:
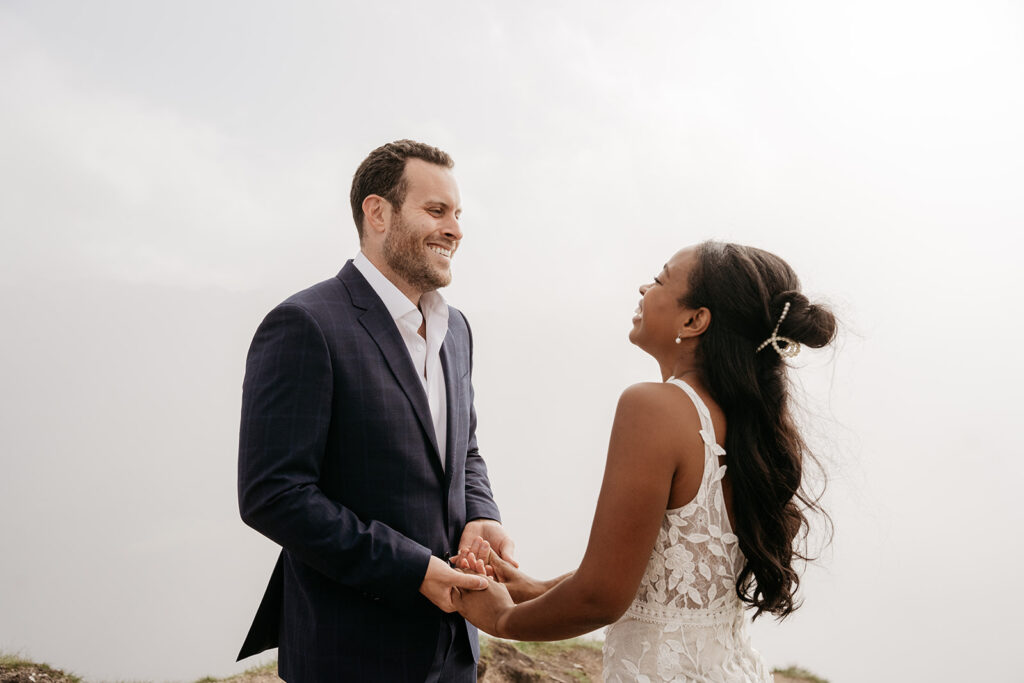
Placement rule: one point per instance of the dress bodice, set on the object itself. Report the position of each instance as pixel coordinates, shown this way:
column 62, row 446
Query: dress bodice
column 696, row 557
column 686, row 622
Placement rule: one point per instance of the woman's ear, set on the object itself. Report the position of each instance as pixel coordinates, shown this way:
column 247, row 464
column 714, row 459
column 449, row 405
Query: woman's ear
column 695, row 322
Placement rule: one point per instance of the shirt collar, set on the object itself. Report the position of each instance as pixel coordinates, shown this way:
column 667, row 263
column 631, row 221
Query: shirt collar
column 398, row 304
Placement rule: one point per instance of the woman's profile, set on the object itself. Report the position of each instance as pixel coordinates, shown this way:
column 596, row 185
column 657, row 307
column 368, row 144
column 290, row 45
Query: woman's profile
column 703, row 505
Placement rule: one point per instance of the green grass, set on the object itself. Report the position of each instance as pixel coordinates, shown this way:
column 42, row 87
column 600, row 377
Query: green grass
column 15, row 662
column 802, row 674
column 548, row 649
column 542, row 649
column 268, row 668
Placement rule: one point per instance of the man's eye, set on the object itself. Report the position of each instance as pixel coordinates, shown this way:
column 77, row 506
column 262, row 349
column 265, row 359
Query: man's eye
column 657, row 281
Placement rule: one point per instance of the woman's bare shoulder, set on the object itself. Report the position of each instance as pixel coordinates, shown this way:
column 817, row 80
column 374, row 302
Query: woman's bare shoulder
column 657, row 407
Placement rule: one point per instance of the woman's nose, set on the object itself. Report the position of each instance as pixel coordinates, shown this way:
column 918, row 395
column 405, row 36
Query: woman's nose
column 643, row 289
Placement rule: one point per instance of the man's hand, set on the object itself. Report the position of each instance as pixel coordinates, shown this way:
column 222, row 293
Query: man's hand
column 493, row 533
column 442, row 583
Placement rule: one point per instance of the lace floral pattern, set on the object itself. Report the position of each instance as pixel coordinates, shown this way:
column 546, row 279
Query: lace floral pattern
column 686, row 623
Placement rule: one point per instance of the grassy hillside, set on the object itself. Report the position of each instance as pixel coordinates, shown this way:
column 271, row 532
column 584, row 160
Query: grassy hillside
column 501, row 661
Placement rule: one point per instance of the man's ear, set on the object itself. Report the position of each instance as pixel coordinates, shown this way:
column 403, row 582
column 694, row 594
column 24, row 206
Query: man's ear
column 376, row 213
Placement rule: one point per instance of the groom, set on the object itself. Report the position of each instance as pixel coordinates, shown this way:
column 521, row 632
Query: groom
column 358, row 450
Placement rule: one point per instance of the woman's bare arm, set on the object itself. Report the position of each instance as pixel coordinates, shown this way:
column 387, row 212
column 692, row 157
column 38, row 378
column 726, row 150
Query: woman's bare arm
column 643, row 455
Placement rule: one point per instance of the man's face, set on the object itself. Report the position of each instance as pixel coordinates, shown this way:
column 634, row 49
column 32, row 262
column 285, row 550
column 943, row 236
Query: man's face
column 424, row 232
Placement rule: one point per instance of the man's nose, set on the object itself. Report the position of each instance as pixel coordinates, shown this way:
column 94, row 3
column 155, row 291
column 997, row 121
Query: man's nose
column 643, row 289
column 452, row 229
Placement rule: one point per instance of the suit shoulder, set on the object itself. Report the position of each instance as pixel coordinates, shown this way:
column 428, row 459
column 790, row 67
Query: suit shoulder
column 324, row 299
column 458, row 324
column 326, row 292
column 325, row 305
column 456, row 317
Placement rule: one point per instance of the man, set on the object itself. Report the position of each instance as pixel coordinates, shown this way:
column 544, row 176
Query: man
column 358, row 450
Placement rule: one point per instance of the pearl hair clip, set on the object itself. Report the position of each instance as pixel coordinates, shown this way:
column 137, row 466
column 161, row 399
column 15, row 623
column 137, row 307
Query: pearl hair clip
column 790, row 349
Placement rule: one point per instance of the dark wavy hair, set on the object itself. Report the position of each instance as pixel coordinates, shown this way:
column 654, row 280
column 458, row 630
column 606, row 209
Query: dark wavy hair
column 746, row 289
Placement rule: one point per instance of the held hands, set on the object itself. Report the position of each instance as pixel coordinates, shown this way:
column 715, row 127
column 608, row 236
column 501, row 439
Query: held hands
column 479, row 558
column 492, row 532
column 485, row 609
column 441, row 584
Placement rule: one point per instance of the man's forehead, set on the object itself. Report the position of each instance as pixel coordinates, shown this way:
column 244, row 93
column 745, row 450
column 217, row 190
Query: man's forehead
column 423, row 175
column 432, row 183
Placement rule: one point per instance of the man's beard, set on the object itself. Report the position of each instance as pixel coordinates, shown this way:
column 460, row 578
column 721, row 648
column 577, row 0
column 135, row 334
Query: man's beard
column 406, row 256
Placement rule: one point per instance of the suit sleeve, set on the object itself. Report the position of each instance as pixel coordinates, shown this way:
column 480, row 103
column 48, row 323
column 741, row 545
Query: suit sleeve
column 286, row 414
column 479, row 497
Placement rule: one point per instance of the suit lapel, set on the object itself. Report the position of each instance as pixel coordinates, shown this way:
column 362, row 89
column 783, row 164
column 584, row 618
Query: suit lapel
column 377, row 321
column 451, row 392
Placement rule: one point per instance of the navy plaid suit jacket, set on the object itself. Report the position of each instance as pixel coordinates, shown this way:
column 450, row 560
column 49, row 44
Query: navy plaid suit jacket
column 338, row 464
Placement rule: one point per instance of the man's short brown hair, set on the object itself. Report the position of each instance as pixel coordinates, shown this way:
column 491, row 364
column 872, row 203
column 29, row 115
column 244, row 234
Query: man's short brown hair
column 382, row 173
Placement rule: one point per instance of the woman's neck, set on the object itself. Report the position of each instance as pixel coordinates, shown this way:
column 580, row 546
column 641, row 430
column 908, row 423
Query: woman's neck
column 679, row 369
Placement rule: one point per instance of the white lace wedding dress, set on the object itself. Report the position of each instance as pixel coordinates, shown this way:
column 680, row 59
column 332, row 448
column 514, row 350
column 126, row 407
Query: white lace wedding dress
column 686, row 623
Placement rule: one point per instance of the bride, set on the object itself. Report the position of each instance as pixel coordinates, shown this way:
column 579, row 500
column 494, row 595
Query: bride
column 702, row 505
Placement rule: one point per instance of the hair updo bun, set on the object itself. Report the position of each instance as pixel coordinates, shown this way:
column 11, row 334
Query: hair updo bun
column 809, row 324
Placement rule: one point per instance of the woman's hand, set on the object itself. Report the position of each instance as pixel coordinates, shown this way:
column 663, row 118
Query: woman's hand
column 486, row 609
column 479, row 558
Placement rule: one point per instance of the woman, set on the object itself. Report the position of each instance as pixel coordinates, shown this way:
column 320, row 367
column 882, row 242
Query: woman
column 702, row 501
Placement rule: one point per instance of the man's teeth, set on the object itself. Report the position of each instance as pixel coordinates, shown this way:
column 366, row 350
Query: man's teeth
column 447, row 253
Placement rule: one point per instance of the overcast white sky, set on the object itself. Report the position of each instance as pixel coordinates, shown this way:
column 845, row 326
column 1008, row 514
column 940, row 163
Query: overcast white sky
column 170, row 171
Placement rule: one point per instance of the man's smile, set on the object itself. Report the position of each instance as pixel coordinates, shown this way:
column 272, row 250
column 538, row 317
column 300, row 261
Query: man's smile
column 443, row 251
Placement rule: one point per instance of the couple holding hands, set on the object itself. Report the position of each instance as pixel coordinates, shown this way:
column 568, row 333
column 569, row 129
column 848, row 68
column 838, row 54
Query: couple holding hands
column 358, row 456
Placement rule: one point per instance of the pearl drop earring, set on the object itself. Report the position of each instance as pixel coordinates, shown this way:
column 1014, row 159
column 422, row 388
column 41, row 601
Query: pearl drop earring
column 679, row 340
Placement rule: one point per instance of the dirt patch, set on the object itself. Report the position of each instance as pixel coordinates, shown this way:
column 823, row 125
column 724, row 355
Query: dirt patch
column 567, row 662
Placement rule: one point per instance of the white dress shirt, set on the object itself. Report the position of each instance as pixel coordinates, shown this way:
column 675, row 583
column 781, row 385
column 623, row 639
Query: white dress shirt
column 425, row 354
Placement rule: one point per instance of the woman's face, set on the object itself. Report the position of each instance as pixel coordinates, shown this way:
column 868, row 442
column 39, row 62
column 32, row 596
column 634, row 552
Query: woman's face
column 659, row 318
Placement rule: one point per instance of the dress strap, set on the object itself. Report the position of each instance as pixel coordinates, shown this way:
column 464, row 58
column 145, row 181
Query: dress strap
column 707, row 427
